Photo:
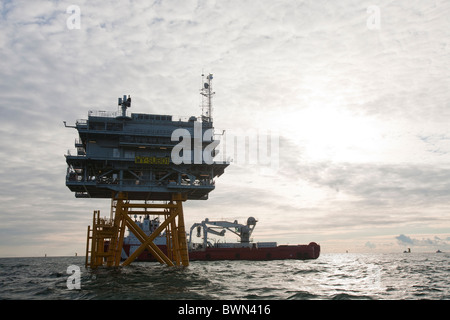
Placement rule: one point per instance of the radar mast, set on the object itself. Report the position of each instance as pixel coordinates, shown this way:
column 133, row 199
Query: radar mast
column 207, row 93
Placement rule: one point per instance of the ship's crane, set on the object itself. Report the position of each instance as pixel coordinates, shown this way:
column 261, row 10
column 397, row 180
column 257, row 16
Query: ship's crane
column 242, row 231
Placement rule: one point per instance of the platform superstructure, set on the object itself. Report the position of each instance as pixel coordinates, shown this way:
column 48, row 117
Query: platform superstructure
column 117, row 153
column 139, row 159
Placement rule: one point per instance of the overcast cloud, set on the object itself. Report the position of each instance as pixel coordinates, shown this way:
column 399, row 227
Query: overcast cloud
column 361, row 112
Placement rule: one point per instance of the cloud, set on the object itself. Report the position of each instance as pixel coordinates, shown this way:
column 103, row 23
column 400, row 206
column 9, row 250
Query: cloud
column 311, row 70
column 413, row 184
column 370, row 245
column 404, row 239
column 424, row 242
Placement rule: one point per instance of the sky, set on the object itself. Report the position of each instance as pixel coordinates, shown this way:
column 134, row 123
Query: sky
column 355, row 95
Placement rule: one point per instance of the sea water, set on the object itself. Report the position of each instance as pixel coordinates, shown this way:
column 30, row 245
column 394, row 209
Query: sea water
column 406, row 276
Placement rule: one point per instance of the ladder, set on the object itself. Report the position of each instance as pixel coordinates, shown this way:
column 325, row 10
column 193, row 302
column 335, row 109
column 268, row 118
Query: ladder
column 103, row 245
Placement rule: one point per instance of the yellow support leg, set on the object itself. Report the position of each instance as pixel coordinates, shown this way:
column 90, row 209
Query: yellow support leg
column 113, row 231
column 182, row 248
column 148, row 240
column 154, row 250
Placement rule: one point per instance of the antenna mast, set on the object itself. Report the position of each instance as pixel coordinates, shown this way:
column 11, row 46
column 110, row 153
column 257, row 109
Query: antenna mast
column 125, row 103
column 207, row 94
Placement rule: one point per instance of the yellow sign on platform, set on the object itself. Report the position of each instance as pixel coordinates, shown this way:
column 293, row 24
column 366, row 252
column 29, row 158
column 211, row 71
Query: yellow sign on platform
column 152, row 160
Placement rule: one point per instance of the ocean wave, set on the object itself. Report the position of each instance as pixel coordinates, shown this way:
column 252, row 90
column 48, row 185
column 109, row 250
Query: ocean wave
column 331, row 277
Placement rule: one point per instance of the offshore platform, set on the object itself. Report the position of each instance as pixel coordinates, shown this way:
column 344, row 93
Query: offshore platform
column 146, row 164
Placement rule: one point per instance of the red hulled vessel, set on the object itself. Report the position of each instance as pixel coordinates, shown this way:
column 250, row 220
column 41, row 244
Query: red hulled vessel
column 245, row 249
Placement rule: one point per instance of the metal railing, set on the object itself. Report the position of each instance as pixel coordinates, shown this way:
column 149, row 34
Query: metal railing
column 79, row 178
column 79, row 152
column 102, row 113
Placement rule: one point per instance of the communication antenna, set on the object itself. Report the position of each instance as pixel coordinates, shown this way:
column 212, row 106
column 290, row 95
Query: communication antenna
column 207, row 93
column 124, row 103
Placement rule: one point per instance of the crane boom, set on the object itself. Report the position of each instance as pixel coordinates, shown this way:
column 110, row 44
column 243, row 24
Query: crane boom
column 242, row 231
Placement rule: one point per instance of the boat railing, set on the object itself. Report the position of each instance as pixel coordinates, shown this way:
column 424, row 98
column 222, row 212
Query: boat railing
column 81, row 122
column 102, row 113
column 76, row 152
column 74, row 177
